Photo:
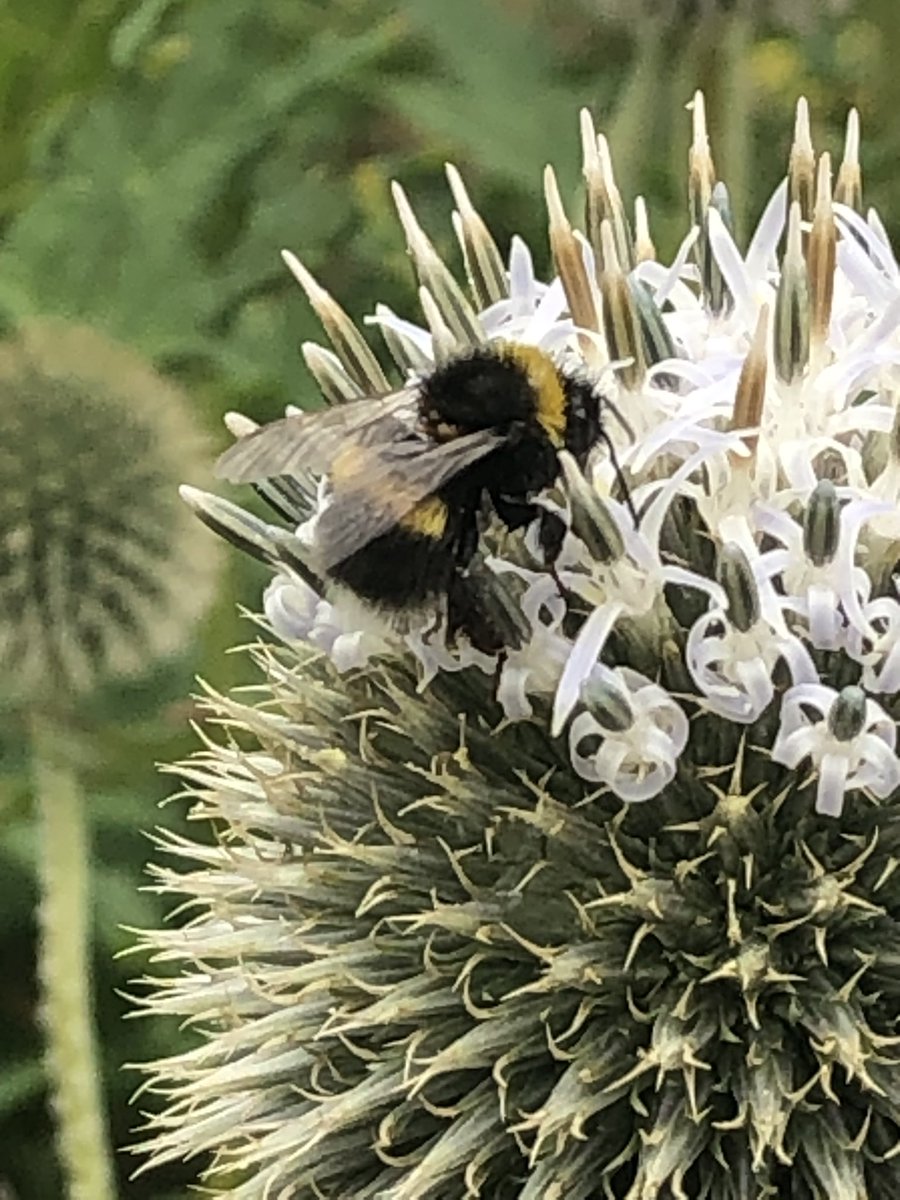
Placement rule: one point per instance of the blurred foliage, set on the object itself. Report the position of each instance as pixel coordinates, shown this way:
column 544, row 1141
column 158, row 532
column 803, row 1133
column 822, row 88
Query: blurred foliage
column 156, row 157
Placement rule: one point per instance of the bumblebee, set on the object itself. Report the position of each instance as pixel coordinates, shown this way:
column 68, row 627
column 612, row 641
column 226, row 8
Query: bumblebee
column 411, row 475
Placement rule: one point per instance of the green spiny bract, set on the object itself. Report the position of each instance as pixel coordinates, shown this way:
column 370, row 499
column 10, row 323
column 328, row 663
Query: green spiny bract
column 438, row 968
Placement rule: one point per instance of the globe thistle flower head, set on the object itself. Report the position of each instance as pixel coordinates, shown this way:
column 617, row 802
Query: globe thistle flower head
column 611, row 913
column 99, row 570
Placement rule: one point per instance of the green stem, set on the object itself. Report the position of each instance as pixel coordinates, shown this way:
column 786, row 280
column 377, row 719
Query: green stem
column 65, row 977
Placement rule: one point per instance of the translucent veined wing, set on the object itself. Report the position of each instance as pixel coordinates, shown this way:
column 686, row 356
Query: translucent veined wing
column 309, row 442
column 374, row 487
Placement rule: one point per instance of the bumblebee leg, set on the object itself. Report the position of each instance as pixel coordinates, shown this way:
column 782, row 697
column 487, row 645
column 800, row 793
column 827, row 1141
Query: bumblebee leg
column 620, row 478
column 480, row 607
column 551, row 534
column 467, row 614
column 516, row 514
column 551, row 529
column 468, row 536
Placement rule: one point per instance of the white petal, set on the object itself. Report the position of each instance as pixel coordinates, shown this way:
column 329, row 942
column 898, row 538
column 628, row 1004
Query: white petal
column 290, row 607
column 832, row 785
column 511, row 693
column 734, row 270
column 666, row 282
column 521, row 279
column 799, row 661
column 547, row 315
column 761, row 253
column 756, row 679
column 585, row 652
column 825, row 622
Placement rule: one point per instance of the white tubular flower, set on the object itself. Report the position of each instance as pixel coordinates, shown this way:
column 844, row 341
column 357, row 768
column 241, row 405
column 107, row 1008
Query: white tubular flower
column 641, row 732
column 579, row 873
column 534, row 668
column 851, row 746
column 879, row 653
column 625, row 578
column 297, row 613
column 817, row 568
column 731, row 654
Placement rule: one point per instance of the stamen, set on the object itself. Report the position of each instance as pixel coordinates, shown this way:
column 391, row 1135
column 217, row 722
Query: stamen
column 444, row 344
column 749, row 400
column 242, row 529
column 350, row 346
column 848, row 189
column 701, row 172
column 822, row 524
column 792, row 307
column 334, row 382
column 656, row 340
column 569, row 262
column 591, row 521
column 847, row 716
column 403, row 349
column 644, row 249
column 735, row 576
column 457, row 312
column 607, row 702
column 822, row 254
column 483, row 262
column 802, row 164
column 603, row 201
column 620, row 318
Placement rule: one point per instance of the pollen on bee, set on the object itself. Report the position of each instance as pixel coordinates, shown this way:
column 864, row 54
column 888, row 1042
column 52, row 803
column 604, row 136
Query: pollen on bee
column 427, row 518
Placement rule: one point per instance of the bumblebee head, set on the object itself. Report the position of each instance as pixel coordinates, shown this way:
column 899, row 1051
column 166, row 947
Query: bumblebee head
column 480, row 390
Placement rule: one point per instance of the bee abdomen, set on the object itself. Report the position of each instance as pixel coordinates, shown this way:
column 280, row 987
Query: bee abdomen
column 404, row 569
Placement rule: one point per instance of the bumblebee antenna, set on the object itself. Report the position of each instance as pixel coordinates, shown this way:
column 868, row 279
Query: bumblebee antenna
column 605, row 402
column 604, row 437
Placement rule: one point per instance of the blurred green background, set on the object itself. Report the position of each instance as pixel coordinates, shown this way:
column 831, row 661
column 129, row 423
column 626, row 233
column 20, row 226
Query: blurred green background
column 154, row 159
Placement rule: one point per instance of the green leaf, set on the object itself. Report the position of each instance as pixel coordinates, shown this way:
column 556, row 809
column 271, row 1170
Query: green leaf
column 132, row 35
column 20, row 1083
column 500, row 97
column 163, row 216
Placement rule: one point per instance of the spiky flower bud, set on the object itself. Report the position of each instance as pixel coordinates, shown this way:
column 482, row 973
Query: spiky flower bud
column 613, row 914
column 100, row 573
column 101, row 569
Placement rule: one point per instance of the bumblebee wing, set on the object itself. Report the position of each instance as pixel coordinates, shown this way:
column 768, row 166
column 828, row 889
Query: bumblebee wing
column 309, row 442
column 374, row 488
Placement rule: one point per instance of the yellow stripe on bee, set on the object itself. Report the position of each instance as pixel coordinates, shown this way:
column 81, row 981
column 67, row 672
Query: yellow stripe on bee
column 351, row 474
column 545, row 379
column 427, row 518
